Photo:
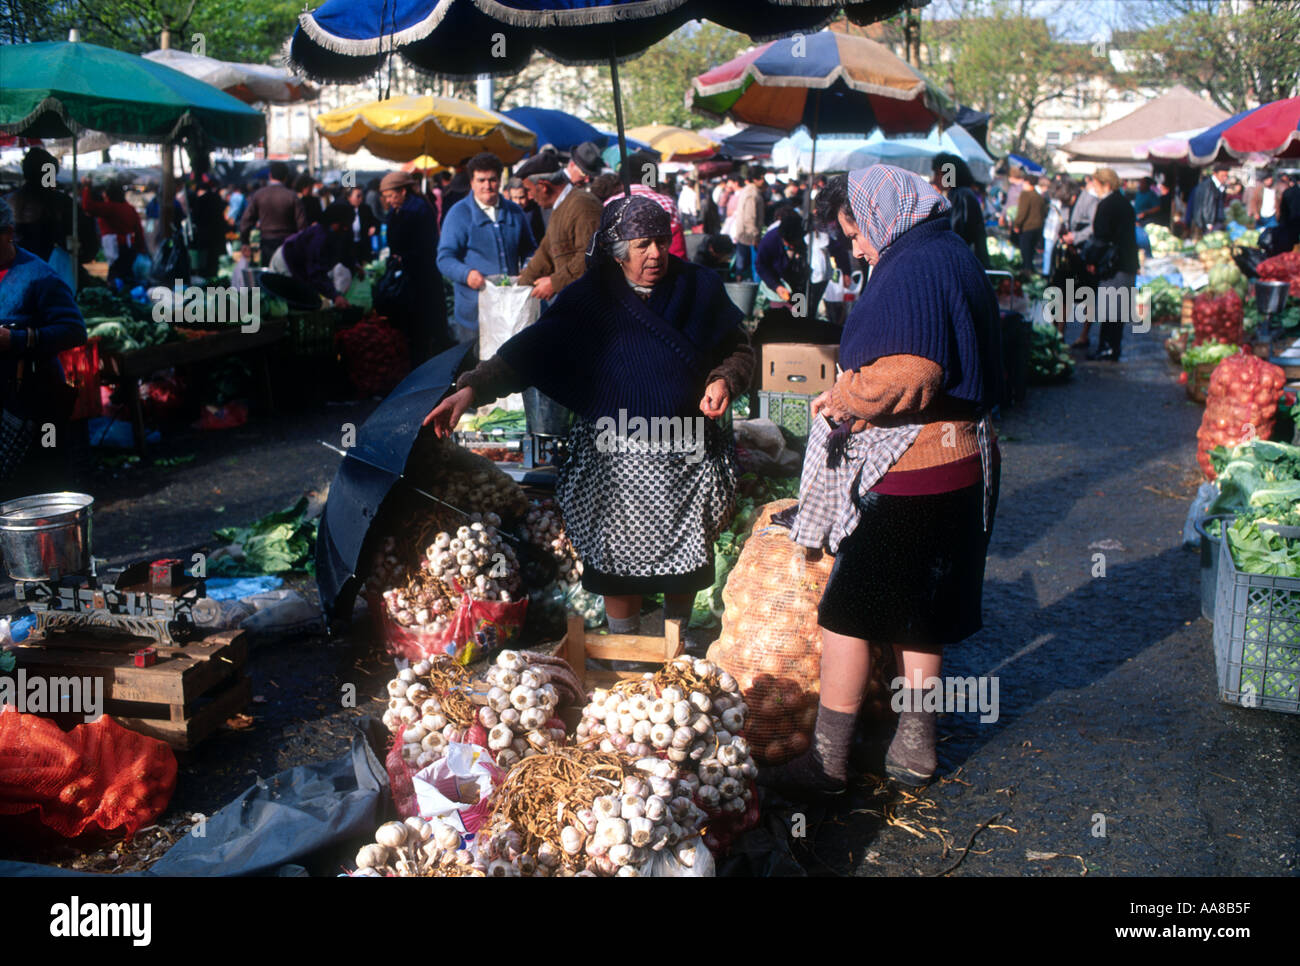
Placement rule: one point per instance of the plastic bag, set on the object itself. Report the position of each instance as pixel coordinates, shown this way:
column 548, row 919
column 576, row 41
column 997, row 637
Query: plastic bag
column 503, row 311
column 670, row 863
column 478, row 627
column 97, row 774
column 441, row 792
column 590, row 607
column 1205, row 495
column 279, row 613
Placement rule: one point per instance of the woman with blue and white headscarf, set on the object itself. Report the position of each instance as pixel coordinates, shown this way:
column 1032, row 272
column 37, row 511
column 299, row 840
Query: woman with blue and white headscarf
column 900, row 477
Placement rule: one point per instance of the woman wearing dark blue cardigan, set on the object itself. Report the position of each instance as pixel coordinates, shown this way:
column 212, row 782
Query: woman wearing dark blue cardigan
column 642, row 340
column 903, row 489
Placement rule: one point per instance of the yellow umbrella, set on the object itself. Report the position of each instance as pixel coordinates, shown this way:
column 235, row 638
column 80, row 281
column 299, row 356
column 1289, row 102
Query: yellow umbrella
column 425, row 165
column 403, row 128
column 675, row 143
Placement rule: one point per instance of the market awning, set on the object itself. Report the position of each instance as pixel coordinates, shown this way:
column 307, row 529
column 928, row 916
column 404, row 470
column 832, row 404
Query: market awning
column 1178, row 110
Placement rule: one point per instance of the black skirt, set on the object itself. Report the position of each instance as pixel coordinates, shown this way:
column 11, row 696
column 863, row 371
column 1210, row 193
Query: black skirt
column 912, row 572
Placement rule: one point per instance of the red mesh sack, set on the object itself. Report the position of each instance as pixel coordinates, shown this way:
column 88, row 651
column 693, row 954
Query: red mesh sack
column 1217, row 318
column 1241, row 405
column 97, row 774
column 478, row 627
column 81, row 371
column 376, row 356
column 1282, row 268
column 771, row 642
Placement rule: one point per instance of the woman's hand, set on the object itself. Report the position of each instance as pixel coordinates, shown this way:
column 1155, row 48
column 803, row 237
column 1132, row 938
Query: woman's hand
column 716, row 399
column 447, row 413
column 824, row 404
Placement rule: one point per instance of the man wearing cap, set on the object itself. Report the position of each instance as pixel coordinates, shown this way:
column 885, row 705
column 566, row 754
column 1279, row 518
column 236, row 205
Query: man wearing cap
column 419, row 309
column 584, row 164
column 482, row 234
column 561, row 258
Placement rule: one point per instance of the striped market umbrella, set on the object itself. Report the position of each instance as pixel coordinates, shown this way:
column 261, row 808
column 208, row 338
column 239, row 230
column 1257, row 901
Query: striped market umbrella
column 404, row 128
column 1271, row 129
column 829, row 82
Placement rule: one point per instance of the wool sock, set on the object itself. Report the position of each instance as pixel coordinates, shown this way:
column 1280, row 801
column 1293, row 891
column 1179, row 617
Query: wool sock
column 624, row 625
column 824, row 767
column 911, row 756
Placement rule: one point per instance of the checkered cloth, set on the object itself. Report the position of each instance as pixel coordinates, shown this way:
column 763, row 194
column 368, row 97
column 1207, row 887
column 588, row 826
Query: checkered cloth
column 887, row 201
column 828, row 511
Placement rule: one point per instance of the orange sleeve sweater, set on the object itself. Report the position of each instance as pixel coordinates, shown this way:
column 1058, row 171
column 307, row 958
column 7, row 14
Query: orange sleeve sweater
column 905, row 388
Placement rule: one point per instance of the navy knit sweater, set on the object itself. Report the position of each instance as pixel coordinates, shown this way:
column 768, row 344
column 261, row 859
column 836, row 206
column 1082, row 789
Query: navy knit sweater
column 928, row 296
column 600, row 350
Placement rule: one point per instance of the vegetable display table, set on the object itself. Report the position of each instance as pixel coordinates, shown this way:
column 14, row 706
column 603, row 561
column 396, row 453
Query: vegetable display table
column 131, row 367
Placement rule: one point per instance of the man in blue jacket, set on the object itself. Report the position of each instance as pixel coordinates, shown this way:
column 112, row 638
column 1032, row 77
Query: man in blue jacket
column 482, row 234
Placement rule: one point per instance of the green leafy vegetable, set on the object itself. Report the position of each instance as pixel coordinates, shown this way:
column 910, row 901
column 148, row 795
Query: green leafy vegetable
column 1257, row 551
column 279, row 542
column 1208, row 353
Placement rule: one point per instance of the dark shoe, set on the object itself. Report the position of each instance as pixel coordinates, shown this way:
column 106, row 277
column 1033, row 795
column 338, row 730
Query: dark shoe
column 802, row 778
column 1103, row 355
column 906, row 776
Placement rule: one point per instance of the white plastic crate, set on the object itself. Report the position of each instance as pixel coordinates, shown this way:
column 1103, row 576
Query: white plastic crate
column 1257, row 638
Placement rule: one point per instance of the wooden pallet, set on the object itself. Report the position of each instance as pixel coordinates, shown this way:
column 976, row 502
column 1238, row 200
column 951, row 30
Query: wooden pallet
column 653, row 652
column 181, row 699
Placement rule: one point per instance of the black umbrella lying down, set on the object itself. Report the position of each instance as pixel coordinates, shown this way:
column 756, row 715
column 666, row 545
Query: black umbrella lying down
column 369, row 472
column 373, row 470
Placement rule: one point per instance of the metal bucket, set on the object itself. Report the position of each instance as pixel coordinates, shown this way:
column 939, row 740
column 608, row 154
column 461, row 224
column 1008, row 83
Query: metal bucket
column 46, row 536
column 1270, row 297
column 744, row 294
column 544, row 415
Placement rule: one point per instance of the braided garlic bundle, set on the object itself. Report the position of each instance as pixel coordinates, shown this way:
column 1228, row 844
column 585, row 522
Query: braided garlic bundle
column 692, row 713
column 525, row 689
column 431, row 716
column 416, row 848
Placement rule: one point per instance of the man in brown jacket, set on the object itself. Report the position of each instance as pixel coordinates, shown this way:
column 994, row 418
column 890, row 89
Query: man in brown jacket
column 275, row 210
column 561, row 258
column 1031, row 213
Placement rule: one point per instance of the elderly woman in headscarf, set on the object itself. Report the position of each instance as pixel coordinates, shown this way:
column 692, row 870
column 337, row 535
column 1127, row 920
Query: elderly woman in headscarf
column 641, row 348
column 901, row 473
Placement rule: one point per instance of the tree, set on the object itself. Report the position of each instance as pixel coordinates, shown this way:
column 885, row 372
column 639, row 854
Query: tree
column 654, row 85
column 1242, row 54
column 1007, row 58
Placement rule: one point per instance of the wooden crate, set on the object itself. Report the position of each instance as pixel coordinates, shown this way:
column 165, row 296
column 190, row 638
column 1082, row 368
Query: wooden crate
column 181, row 699
column 653, row 652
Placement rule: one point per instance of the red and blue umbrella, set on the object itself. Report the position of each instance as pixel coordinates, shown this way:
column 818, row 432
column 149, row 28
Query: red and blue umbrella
column 1271, row 129
column 830, row 82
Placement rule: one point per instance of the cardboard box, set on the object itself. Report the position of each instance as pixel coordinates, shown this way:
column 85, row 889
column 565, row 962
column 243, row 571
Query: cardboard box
column 798, row 367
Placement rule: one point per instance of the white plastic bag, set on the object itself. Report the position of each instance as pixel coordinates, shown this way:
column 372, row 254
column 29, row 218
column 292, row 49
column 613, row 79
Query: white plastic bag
column 671, row 863
column 462, row 763
column 503, row 311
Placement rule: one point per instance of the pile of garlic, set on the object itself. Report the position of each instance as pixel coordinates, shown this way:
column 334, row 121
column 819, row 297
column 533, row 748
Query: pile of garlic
column 418, row 848
column 619, row 835
column 544, row 528
column 525, row 689
column 414, row 706
column 475, row 559
column 698, row 730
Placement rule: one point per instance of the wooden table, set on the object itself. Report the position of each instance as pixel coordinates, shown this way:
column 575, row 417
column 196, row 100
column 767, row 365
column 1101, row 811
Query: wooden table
column 131, row 367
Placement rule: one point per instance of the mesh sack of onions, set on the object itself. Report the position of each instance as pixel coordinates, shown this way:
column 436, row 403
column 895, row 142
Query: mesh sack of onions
column 690, row 713
column 580, row 812
column 770, row 642
column 1241, row 405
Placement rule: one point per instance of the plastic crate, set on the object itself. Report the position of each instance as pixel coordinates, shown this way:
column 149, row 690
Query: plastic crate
column 1257, row 638
column 790, row 410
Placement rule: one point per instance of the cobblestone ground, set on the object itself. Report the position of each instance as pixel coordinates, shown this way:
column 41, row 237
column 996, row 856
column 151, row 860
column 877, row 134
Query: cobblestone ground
column 1108, row 719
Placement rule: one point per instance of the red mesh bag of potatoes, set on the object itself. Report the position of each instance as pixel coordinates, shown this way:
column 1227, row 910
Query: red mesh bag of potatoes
column 98, row 774
column 1241, row 405
column 770, row 641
